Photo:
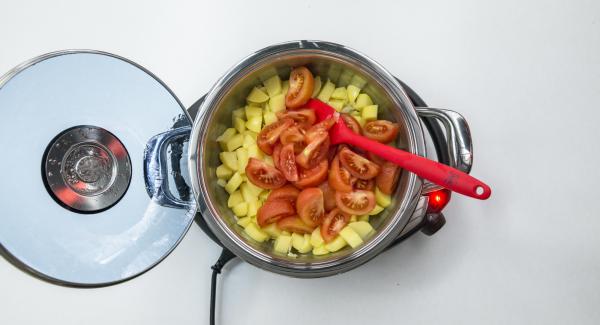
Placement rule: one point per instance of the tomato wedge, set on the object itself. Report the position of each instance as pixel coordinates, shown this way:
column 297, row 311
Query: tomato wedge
column 375, row 158
column 360, row 167
column 365, row 184
column 312, row 177
column 276, row 154
column 351, row 123
column 339, row 177
column 305, row 117
column 287, row 163
column 388, row 177
column 328, row 196
column 293, row 135
column 301, row 88
column 272, row 211
column 357, row 202
column 335, row 221
column 381, row 130
column 317, row 130
column 263, row 175
column 314, row 152
column 269, row 135
column 294, row 224
column 310, row 206
column 287, row 193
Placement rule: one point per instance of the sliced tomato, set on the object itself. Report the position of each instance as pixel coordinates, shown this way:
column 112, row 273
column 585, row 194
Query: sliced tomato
column 312, row 177
column 287, row 163
column 263, row 175
column 375, row 158
column 359, row 166
column 305, row 117
column 357, row 202
column 301, row 88
column 365, row 184
column 328, row 196
column 276, row 154
column 294, row 224
column 381, row 130
column 310, row 206
column 335, row 221
column 388, row 177
column 295, row 135
column 318, row 129
column 331, row 153
column 272, row 211
column 269, row 135
column 351, row 123
column 314, row 152
column 288, row 193
column 340, row 178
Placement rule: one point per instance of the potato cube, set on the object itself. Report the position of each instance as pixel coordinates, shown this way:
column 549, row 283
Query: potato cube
column 337, row 104
column 301, row 243
column 340, row 93
column 242, row 158
column 253, row 207
column 234, row 182
column 283, row 244
column 247, row 193
column 358, row 81
column 229, row 159
column 273, row 85
column 226, row 136
column 315, row 238
column 364, row 218
column 363, row 100
column 253, row 111
column 254, row 232
column 320, row 250
column 234, row 199
column 254, row 123
column 326, row 91
column 257, row 95
column 336, row 244
column 272, row 230
column 369, row 113
column 345, row 78
column 277, row 103
column 284, row 88
column 270, row 117
column 244, row 221
column 248, row 140
column 255, row 152
column 351, row 237
column 235, row 142
column 239, row 113
column 221, row 182
column 240, row 209
column 362, row 228
column 382, row 199
column 352, row 92
column 239, row 124
column 224, row 172
column 317, row 87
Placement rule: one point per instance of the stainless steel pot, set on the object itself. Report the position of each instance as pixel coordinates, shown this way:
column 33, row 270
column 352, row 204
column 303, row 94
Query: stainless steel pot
column 328, row 60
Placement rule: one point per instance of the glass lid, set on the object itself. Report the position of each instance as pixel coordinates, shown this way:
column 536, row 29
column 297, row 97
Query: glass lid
column 94, row 181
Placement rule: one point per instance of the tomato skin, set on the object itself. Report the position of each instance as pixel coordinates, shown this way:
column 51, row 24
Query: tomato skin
column 357, row 202
column 359, row 166
column 276, row 154
column 335, row 221
column 340, row 179
column 263, row 175
column 310, row 206
column 287, row 163
column 312, row 177
column 294, row 224
column 287, row 193
column 381, row 130
column 305, row 117
column 274, row 210
column 388, row 177
column 351, row 123
column 328, row 196
column 269, row 135
column 365, row 184
column 301, row 88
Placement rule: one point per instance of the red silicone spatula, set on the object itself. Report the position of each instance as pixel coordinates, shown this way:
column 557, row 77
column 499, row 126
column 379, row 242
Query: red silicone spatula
column 446, row 176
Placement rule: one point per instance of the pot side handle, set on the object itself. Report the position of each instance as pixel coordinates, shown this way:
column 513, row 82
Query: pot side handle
column 157, row 171
column 458, row 136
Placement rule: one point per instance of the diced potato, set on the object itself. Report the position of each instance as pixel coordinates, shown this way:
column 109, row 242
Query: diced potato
column 362, row 228
column 334, row 72
column 336, row 244
column 353, row 218
column 285, row 85
column 317, row 87
column 234, row 182
column 301, row 243
column 255, row 152
column 283, row 244
column 254, row 124
column 337, row 104
column 239, row 113
column 264, row 195
column 224, row 172
column 272, row 230
column 244, row 221
column 270, row 117
column 376, row 210
column 320, row 250
column 326, row 91
column 254, row 232
column 247, row 193
column 253, row 207
column 226, row 136
column 382, row 199
column 315, row 238
column 229, row 159
column 363, row 100
column 235, row 198
column 340, row 93
column 277, row 103
column 257, row 96
column 252, row 134
column 285, row 233
column 345, row 78
column 235, row 142
column 269, row 161
column 255, row 190
column 221, row 182
column 351, row 237
column 242, row 157
column 239, row 124
column 364, row 218
column 248, row 140
column 253, row 111
column 267, row 73
column 240, row 209
column 352, row 92
column 273, row 85
column 369, row 113
column 358, row 81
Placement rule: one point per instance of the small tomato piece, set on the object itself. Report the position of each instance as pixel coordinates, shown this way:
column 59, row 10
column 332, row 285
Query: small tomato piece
column 287, row 163
column 313, row 176
column 388, row 177
column 351, row 123
column 272, row 211
column 294, row 225
column 358, row 202
column 314, row 152
column 269, row 135
column 287, row 193
column 328, row 196
column 335, row 221
column 381, row 130
column 276, row 154
column 310, row 206
column 359, row 166
column 263, row 175
column 340, row 178
column 301, row 87
column 305, row 117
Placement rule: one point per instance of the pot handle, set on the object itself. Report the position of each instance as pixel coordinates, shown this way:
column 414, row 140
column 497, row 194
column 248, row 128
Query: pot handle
column 458, row 136
column 157, row 170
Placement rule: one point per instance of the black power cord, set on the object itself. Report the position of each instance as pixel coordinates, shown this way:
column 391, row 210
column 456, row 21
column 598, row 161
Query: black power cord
column 225, row 257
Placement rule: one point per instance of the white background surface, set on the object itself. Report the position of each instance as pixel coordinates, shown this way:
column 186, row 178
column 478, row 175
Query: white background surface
column 526, row 75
